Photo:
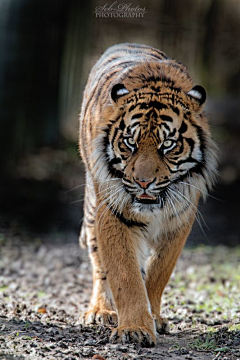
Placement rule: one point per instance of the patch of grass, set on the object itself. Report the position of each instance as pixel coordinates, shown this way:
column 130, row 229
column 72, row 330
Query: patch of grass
column 234, row 327
column 222, row 349
column 209, row 290
column 27, row 338
column 212, row 329
column 41, row 294
column 204, row 343
column 176, row 346
column 27, row 325
column 3, row 288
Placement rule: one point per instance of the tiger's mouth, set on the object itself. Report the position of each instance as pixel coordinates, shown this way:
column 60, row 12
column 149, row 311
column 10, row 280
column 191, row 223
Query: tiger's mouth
column 147, row 199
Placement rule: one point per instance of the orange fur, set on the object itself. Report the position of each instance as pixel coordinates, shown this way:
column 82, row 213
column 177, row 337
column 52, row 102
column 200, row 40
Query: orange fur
column 149, row 157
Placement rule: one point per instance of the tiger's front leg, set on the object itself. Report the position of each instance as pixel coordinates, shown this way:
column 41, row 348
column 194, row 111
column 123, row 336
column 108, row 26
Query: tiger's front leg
column 118, row 254
column 159, row 269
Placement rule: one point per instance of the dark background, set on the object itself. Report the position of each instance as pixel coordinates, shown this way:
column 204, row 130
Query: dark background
column 47, row 51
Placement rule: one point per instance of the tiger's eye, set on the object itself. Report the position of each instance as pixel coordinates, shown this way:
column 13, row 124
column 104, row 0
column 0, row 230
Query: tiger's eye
column 131, row 141
column 168, row 143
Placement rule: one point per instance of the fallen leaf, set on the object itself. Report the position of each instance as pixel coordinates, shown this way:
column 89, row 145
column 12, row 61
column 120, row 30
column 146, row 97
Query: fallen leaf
column 42, row 311
column 98, row 357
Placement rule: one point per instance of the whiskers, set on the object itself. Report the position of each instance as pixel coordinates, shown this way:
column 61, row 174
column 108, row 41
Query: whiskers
column 114, row 199
column 74, row 188
column 91, row 187
column 203, row 192
column 94, row 182
column 181, row 206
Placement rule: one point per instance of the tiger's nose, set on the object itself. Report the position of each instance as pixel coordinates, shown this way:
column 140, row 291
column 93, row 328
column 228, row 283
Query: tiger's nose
column 144, row 183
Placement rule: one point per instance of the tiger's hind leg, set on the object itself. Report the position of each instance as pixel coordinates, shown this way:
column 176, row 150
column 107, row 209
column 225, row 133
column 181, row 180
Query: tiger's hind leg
column 102, row 306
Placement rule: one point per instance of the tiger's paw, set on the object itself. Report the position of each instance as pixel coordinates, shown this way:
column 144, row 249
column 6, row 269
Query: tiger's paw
column 133, row 334
column 162, row 324
column 99, row 317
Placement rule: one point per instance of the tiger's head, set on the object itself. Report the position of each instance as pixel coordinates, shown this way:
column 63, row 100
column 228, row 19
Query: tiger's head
column 157, row 139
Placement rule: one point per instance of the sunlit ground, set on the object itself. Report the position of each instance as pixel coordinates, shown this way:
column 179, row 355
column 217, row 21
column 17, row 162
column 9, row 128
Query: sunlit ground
column 44, row 287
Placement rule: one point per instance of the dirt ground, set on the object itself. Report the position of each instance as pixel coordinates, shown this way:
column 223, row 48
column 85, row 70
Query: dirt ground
column 44, row 285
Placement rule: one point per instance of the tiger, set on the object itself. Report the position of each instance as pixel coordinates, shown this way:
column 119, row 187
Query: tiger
column 149, row 157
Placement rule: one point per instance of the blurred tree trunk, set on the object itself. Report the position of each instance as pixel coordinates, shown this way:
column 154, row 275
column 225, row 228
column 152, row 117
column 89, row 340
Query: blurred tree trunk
column 73, row 71
column 39, row 39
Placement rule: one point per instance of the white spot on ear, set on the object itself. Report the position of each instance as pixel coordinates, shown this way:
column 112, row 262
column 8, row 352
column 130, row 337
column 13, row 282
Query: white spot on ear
column 121, row 92
column 195, row 94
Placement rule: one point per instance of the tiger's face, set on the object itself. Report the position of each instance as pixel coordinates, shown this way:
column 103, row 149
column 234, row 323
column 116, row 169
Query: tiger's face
column 155, row 142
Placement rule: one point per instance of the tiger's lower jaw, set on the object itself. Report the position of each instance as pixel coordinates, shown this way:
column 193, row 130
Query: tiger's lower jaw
column 147, row 205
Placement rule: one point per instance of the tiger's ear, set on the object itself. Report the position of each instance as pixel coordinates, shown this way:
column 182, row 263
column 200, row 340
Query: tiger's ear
column 118, row 90
column 198, row 94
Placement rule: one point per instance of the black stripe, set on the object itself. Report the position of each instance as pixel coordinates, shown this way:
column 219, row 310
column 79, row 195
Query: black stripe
column 128, row 223
column 104, row 77
column 88, row 221
column 166, row 127
column 154, row 88
column 186, row 115
column 88, row 211
column 122, row 124
column 179, row 151
column 174, row 109
column 132, row 107
column 198, row 169
column 155, row 56
column 201, row 138
column 116, row 131
column 169, row 168
column 180, row 162
column 191, row 144
column 163, row 182
column 137, row 123
column 137, row 116
column 93, row 249
column 114, row 161
column 155, row 104
column 131, row 49
column 183, row 128
column 172, row 133
column 127, row 181
column 106, row 140
column 115, row 173
column 179, row 212
column 139, row 46
column 143, row 273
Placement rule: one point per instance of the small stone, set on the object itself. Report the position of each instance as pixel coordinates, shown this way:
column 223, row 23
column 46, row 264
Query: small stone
column 63, row 345
column 90, row 342
column 34, row 345
column 123, row 349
